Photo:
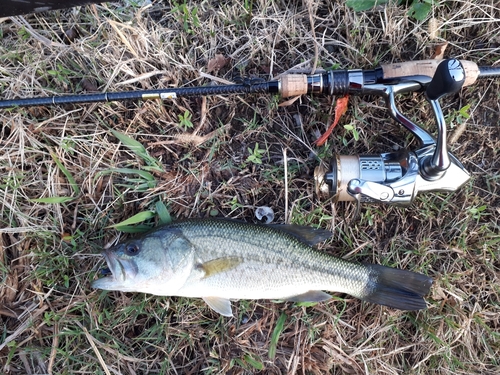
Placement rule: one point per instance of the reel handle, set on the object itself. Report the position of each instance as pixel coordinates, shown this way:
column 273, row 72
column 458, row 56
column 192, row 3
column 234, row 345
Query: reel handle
column 448, row 78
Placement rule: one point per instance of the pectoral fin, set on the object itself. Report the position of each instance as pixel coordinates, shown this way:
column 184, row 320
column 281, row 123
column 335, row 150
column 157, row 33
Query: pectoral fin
column 215, row 266
column 221, row 305
column 310, row 296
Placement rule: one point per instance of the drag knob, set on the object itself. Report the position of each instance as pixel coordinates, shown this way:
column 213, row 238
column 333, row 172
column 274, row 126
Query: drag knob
column 448, row 78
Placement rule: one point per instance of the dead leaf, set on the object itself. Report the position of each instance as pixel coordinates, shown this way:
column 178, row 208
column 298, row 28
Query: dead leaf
column 217, row 63
column 89, row 85
column 266, row 69
column 142, row 77
column 439, row 51
column 340, row 109
column 71, row 34
column 10, row 288
column 191, row 138
column 433, row 28
column 116, row 26
column 289, row 101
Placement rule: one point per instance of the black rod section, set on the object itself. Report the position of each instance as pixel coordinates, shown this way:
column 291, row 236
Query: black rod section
column 264, row 87
column 18, row 7
column 489, row 71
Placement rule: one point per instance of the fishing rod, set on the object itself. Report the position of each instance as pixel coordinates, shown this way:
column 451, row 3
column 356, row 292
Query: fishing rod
column 389, row 178
column 334, row 82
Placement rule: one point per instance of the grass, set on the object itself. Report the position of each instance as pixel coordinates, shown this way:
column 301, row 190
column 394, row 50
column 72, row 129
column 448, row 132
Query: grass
column 69, row 175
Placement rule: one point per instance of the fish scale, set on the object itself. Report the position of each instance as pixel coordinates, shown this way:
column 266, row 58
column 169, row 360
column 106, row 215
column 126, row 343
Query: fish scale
column 223, row 260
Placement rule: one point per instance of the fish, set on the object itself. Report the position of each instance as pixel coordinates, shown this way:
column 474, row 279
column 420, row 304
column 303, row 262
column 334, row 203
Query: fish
column 221, row 260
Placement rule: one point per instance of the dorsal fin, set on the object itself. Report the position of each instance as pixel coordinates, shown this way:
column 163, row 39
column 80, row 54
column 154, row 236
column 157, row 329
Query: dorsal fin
column 308, row 235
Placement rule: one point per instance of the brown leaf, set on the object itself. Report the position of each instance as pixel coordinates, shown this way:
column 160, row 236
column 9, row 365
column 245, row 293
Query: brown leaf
column 340, row 109
column 289, row 101
column 217, row 63
column 11, row 286
column 89, row 85
column 71, row 34
column 439, row 51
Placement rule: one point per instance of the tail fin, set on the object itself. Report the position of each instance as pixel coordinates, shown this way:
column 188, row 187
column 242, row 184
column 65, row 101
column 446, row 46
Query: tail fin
column 396, row 288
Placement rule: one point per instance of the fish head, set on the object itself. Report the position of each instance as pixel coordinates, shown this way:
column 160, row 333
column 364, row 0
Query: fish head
column 156, row 263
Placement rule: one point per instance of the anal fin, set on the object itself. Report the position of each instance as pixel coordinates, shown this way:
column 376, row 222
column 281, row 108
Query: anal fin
column 310, row 296
column 219, row 304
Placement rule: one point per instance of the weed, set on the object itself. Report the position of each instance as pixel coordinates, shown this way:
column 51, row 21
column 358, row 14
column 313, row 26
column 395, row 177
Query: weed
column 457, row 117
column 256, row 154
column 188, row 17
column 351, row 129
column 418, row 9
column 60, row 75
column 478, row 212
column 185, row 120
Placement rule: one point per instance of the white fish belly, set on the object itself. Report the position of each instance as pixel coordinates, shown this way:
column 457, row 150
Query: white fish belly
column 259, row 281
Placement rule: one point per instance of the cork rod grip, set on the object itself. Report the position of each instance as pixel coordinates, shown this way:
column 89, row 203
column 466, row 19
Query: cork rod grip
column 293, row 85
column 427, row 68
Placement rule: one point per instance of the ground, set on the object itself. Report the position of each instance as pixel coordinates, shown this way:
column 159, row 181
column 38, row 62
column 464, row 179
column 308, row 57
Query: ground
column 70, row 173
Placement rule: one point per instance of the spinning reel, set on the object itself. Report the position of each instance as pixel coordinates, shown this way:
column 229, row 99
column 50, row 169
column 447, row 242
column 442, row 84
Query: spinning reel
column 396, row 178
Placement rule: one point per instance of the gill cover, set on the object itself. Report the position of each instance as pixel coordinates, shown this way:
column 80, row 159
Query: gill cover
column 159, row 263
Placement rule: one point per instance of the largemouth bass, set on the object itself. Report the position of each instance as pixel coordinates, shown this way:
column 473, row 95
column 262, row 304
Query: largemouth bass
column 223, row 260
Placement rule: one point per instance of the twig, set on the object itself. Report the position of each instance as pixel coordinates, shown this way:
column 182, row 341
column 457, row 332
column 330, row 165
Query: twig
column 53, row 352
column 285, row 163
column 313, row 34
column 23, row 326
column 21, row 22
column 94, row 347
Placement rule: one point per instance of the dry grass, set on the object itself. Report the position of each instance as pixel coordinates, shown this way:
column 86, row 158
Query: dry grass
column 52, row 322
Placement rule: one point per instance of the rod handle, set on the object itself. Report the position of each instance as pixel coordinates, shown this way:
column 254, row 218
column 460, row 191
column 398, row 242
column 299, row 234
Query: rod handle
column 427, row 68
column 293, row 85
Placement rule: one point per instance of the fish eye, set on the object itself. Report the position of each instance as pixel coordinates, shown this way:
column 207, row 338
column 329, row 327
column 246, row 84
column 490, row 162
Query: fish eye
column 132, row 250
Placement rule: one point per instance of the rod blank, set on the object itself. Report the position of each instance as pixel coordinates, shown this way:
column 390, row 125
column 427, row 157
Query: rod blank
column 263, row 87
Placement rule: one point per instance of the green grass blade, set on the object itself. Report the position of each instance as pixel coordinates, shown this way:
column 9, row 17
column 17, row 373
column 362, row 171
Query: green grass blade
column 306, row 304
column 138, row 149
column 134, row 146
column 52, row 200
column 68, row 175
column 163, row 213
column 145, row 175
column 133, row 229
column 137, row 218
column 253, row 362
column 276, row 334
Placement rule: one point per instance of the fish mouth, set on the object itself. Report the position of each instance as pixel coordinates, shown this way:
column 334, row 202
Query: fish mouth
column 117, row 271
